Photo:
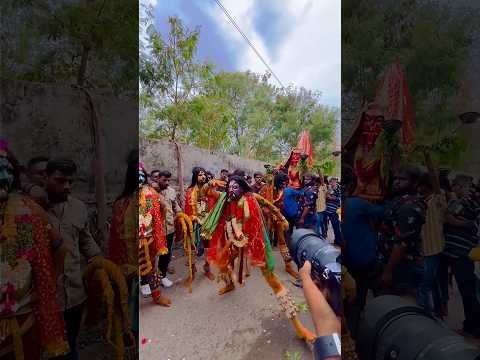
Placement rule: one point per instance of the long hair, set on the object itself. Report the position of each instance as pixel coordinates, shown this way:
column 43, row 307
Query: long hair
column 131, row 179
column 240, row 181
column 16, row 169
column 195, row 171
column 279, row 179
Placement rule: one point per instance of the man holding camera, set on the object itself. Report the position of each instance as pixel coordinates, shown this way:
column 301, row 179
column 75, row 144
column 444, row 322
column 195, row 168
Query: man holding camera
column 327, row 346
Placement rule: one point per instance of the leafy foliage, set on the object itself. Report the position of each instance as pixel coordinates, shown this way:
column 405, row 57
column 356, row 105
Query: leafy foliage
column 71, row 42
column 240, row 113
column 432, row 42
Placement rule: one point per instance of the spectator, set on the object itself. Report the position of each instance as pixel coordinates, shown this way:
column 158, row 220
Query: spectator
column 321, row 206
column 307, row 214
column 461, row 237
column 360, row 239
column 333, row 204
column 403, row 222
column 172, row 209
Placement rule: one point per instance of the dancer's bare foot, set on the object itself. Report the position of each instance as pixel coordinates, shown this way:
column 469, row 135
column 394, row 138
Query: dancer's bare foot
column 160, row 299
column 208, row 273
column 188, row 281
column 226, row 289
column 289, row 269
column 302, row 332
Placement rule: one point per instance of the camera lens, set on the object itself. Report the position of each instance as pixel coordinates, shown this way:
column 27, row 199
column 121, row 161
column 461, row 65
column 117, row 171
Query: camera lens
column 305, row 244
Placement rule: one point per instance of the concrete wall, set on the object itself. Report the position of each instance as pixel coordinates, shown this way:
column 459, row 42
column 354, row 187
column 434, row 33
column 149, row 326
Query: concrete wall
column 161, row 155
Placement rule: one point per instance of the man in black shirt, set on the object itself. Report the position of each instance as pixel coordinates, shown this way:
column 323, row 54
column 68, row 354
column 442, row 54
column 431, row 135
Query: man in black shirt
column 403, row 221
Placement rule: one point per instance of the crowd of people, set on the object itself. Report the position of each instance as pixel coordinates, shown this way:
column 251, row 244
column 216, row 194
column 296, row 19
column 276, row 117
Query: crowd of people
column 315, row 205
column 47, row 240
column 413, row 243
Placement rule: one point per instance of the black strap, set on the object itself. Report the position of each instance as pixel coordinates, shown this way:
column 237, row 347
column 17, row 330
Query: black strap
column 325, row 347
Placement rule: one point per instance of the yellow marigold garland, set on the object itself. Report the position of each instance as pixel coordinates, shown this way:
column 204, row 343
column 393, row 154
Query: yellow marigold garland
column 188, row 245
column 280, row 219
column 107, row 274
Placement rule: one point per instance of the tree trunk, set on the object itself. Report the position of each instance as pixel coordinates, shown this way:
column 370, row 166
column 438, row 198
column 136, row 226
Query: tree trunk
column 181, row 190
column 83, row 65
column 99, row 171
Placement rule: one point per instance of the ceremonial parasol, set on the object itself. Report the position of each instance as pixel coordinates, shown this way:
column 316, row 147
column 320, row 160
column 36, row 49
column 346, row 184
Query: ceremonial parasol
column 393, row 97
column 305, row 145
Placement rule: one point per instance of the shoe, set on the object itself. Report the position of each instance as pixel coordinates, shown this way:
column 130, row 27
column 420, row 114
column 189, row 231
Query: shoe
column 145, row 290
column 166, row 282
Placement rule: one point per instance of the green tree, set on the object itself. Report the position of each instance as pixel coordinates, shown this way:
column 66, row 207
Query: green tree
column 170, row 76
column 432, row 42
column 80, row 42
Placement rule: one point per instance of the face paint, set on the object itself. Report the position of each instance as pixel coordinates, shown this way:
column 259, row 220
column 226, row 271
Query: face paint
column 141, row 178
column 295, row 158
column 6, row 178
column 202, row 177
column 234, row 190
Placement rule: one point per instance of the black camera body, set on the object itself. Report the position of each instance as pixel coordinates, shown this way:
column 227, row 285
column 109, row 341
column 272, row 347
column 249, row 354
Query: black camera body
column 304, row 245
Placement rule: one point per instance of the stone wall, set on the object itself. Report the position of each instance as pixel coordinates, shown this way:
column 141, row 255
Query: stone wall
column 56, row 121
column 162, row 155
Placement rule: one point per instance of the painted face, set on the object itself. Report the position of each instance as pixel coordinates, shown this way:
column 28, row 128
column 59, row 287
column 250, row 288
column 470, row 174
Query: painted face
column 295, row 158
column 6, row 178
column 234, row 190
column 258, row 179
column 202, row 177
column 141, row 178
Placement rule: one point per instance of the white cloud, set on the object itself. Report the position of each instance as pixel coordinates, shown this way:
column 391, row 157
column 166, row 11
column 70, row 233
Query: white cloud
column 310, row 54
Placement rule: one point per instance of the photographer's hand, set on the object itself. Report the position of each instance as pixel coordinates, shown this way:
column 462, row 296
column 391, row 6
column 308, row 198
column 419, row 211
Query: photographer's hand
column 324, row 319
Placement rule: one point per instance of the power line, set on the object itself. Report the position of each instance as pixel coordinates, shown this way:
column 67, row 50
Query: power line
column 248, row 41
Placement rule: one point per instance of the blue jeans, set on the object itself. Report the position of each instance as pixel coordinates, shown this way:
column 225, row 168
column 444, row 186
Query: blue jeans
column 320, row 226
column 333, row 217
column 428, row 288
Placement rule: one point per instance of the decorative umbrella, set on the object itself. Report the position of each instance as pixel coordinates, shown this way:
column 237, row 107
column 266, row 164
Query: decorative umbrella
column 393, row 97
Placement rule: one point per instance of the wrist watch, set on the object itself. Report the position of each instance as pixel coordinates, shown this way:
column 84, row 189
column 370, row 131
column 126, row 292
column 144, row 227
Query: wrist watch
column 327, row 346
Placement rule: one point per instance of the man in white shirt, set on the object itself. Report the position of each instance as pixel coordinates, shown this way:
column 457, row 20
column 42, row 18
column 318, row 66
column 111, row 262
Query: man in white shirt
column 169, row 195
column 321, row 206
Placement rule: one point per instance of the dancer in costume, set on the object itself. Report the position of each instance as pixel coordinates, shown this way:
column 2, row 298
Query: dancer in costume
column 199, row 201
column 274, row 194
column 237, row 233
column 152, row 241
column 123, row 246
column 31, row 321
column 295, row 169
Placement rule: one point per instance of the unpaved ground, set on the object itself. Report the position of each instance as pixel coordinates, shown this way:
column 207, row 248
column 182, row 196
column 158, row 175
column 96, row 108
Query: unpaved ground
column 245, row 324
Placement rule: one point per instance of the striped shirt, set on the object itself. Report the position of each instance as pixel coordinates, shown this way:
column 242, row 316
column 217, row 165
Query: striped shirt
column 333, row 203
column 460, row 240
column 433, row 240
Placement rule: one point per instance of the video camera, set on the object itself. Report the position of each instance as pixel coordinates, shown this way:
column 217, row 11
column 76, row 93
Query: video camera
column 304, row 245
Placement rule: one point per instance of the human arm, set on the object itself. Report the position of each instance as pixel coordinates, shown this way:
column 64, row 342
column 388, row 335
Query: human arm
column 324, row 319
column 407, row 235
column 88, row 246
column 432, row 171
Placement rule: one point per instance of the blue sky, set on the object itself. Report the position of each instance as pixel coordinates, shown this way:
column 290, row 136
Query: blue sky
column 299, row 39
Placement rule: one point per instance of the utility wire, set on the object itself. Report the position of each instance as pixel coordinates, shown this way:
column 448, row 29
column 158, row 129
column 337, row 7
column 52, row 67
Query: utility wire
column 248, row 41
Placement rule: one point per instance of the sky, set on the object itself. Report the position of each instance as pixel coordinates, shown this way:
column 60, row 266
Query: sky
column 299, row 39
